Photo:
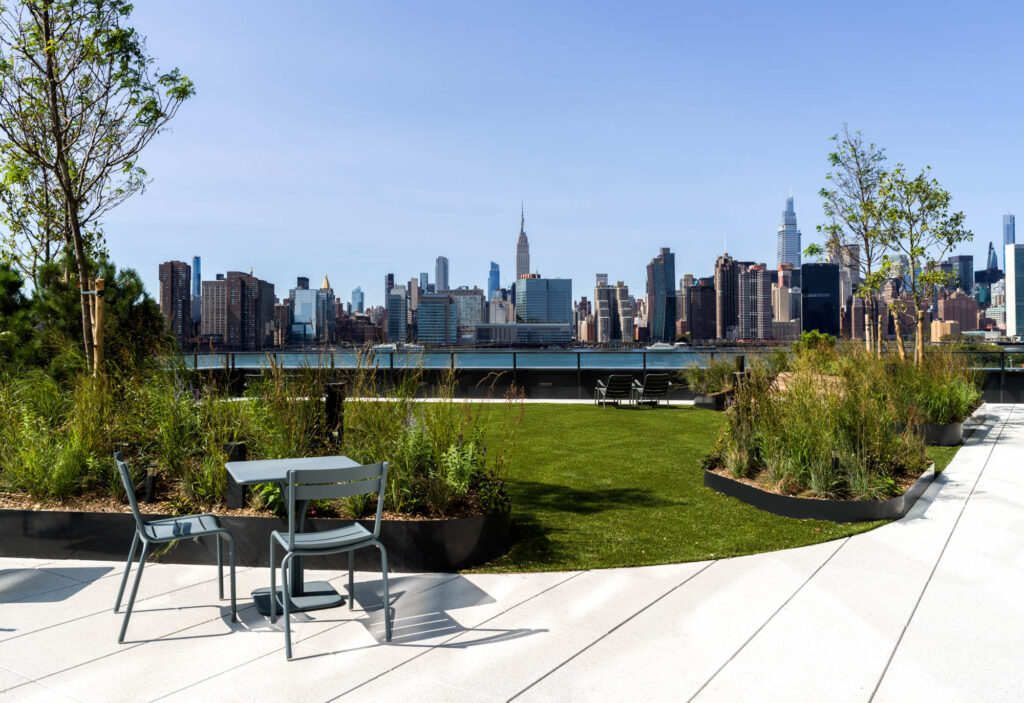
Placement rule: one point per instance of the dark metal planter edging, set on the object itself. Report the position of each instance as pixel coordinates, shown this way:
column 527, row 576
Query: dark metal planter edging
column 413, row 545
column 818, row 508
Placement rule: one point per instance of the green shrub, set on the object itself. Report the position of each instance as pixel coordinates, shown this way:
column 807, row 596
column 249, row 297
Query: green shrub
column 715, row 376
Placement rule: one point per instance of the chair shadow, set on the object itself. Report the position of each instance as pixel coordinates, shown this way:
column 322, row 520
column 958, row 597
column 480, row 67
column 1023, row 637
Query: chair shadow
column 33, row 582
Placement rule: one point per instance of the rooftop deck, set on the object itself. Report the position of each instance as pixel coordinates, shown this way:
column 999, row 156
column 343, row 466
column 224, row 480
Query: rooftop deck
column 924, row 608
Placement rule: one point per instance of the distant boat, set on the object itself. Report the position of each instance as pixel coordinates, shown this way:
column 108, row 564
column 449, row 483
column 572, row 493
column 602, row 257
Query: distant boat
column 385, row 347
column 660, row 346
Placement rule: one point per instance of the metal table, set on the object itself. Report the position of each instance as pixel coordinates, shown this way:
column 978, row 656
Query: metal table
column 314, row 595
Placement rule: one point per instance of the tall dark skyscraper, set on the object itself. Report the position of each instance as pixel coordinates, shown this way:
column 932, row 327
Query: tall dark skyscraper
column 389, row 283
column 700, row 313
column 661, row 297
column 493, row 280
column 820, row 298
column 522, row 248
column 726, row 295
column 991, row 261
column 441, row 274
column 197, row 289
column 963, row 273
column 1009, row 235
column 176, row 299
column 788, row 248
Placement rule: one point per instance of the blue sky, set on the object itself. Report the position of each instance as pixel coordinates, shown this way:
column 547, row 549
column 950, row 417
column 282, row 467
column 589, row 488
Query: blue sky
column 357, row 139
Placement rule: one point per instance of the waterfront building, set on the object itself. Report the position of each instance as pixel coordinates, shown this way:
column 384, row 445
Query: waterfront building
column 997, row 313
column 785, row 303
column 523, row 334
column 820, row 298
column 963, row 273
column 522, row 249
column 1014, row 258
column 960, row 308
column 238, row 312
column 441, row 274
column 701, row 318
column 437, row 320
column 499, row 311
column 755, row 303
column 176, row 293
column 788, row 248
column 358, row 300
column 493, row 280
column 544, row 300
column 661, row 297
column 726, row 303
column 944, row 329
column 1009, row 236
column 397, row 315
column 414, row 299
column 312, row 314
column 786, row 331
column 470, row 308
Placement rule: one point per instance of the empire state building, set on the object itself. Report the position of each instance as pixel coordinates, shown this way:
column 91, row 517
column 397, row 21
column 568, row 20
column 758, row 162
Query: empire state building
column 522, row 249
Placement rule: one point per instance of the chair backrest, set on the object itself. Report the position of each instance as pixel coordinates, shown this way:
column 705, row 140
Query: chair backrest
column 129, row 488
column 320, row 484
column 656, row 383
column 619, row 384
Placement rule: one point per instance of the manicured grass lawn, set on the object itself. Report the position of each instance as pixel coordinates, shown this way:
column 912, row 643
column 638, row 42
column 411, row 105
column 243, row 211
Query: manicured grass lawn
column 594, row 488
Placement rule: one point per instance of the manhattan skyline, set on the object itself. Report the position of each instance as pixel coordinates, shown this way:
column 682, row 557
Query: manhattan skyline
column 410, row 132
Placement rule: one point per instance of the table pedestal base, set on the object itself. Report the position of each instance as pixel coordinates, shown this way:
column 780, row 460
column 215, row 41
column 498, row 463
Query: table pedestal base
column 316, row 595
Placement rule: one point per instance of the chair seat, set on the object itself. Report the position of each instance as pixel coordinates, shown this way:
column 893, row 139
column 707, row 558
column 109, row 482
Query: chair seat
column 181, row 527
column 328, row 539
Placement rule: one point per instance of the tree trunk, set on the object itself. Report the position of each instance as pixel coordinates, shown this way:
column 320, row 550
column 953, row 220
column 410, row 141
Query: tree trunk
column 919, row 337
column 899, row 334
column 868, row 322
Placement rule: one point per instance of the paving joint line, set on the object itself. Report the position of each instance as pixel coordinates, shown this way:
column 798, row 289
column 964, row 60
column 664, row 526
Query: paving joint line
column 935, row 566
column 456, row 635
column 771, row 617
column 664, row 595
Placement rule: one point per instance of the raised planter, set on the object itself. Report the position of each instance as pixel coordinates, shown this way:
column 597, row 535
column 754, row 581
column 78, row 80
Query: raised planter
column 820, row 508
column 944, row 435
column 715, row 401
column 413, row 545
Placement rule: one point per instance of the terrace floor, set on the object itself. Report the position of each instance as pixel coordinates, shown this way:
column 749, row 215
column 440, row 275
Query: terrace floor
column 924, row 608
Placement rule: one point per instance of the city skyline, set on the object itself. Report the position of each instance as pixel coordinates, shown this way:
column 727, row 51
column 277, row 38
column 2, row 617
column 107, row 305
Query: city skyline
column 617, row 132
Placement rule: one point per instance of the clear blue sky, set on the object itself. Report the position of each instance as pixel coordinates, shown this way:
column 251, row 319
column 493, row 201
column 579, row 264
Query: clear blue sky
column 356, row 139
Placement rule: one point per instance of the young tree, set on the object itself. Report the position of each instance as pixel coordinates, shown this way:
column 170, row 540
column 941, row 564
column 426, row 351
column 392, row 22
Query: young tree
column 850, row 202
column 79, row 100
column 916, row 222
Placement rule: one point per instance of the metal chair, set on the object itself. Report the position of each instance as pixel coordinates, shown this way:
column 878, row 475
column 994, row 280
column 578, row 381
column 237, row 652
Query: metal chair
column 653, row 388
column 167, row 530
column 319, row 484
column 619, row 387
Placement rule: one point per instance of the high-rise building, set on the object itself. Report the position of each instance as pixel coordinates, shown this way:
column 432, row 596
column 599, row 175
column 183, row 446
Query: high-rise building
column 425, row 282
column 600, row 278
column 197, row 291
column 785, row 303
column 820, row 298
column 1009, row 234
column 544, row 300
column 612, row 311
column 961, row 308
column 788, row 249
column 963, row 275
column 493, row 280
column 661, row 296
column 1014, row 257
column 358, row 300
column 726, row 303
column 441, row 274
column 238, row 312
column 755, row 303
column 437, row 320
column 991, row 261
column 470, row 309
column 312, row 314
column 522, row 249
column 701, row 317
column 176, row 299
column 397, row 315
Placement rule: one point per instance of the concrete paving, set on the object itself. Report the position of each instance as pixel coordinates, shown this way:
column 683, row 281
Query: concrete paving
column 925, row 608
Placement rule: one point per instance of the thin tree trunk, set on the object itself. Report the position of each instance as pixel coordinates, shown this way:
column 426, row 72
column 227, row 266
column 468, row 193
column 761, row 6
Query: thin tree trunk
column 919, row 351
column 867, row 325
column 899, row 334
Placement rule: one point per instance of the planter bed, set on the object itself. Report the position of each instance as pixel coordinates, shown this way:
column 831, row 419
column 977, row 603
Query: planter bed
column 820, row 508
column 715, row 401
column 413, row 545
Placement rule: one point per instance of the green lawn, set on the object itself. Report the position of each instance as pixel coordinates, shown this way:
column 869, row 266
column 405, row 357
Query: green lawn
column 594, row 488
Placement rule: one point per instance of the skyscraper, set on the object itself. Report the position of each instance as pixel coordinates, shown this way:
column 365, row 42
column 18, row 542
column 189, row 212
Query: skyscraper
column 661, row 294
column 197, row 289
column 788, row 250
column 312, row 311
column 358, row 299
column 991, row 261
column 493, row 280
column 397, row 312
column 613, row 311
column 238, row 311
column 522, row 248
column 441, row 274
column 1014, row 257
column 1009, row 235
column 963, row 275
column 546, row 300
column 700, row 316
column 755, row 303
column 820, row 293
column 437, row 322
column 176, row 298
column 726, row 306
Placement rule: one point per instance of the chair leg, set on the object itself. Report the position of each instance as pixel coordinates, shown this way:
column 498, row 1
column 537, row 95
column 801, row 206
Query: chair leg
column 135, row 590
column 127, row 568
column 231, row 566
column 220, row 569
column 387, row 598
column 351, row 581
column 273, row 583
column 285, row 580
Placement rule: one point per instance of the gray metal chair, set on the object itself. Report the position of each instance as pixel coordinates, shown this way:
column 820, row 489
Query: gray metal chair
column 653, row 388
column 319, row 484
column 619, row 387
column 169, row 530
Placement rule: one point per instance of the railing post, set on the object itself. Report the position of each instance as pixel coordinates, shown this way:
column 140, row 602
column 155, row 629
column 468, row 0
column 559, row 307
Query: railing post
column 1002, row 376
column 235, row 494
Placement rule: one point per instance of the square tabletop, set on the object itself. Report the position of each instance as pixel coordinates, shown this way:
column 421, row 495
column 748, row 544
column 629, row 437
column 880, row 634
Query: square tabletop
column 276, row 470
